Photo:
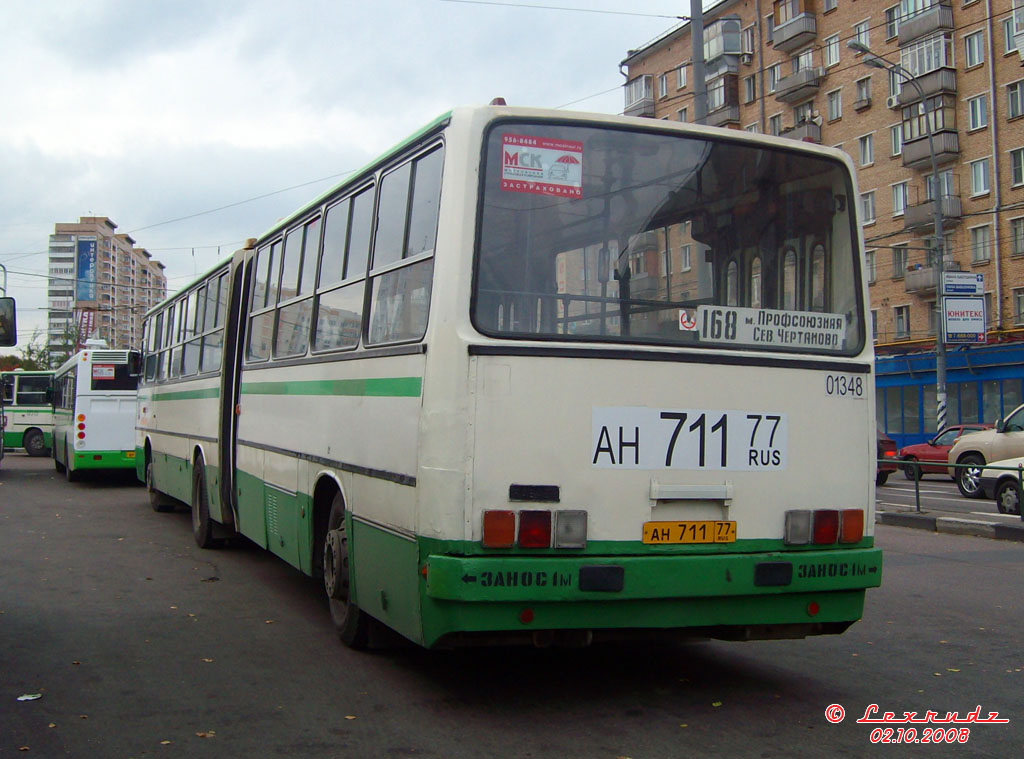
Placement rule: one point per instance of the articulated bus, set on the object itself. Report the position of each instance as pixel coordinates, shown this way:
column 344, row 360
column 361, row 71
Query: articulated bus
column 93, row 395
column 540, row 376
column 28, row 414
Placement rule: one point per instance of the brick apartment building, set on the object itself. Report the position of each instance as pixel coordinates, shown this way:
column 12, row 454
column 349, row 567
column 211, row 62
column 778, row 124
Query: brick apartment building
column 784, row 68
column 100, row 285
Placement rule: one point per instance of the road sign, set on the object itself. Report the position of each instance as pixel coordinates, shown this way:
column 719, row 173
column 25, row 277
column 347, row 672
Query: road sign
column 963, row 319
column 962, row 283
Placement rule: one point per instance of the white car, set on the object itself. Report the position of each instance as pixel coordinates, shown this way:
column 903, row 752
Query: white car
column 972, row 452
column 1001, row 480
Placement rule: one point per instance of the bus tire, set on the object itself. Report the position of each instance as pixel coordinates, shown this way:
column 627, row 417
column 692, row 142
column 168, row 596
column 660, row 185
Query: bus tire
column 202, row 525
column 69, row 472
column 34, row 443
column 56, row 462
column 352, row 624
column 157, row 500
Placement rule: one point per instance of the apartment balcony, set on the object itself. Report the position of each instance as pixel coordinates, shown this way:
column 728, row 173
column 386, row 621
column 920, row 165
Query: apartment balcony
column 806, row 131
column 726, row 114
column 938, row 82
column 800, row 85
column 795, row 33
column 640, row 96
column 937, row 18
column 861, row 104
column 926, row 278
column 916, row 154
column 923, row 214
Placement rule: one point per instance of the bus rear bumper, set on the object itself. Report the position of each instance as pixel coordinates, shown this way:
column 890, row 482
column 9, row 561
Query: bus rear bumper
column 735, row 597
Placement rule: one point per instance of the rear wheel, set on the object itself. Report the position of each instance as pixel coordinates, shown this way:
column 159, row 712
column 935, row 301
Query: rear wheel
column 881, row 477
column 968, row 474
column 202, row 525
column 69, row 472
column 1008, row 497
column 56, row 462
column 34, row 443
column 352, row 624
column 911, row 469
column 157, row 500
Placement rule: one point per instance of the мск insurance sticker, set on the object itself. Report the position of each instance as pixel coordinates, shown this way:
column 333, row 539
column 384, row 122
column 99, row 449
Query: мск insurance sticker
column 541, row 166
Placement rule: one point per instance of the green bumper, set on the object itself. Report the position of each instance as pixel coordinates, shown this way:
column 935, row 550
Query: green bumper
column 103, row 460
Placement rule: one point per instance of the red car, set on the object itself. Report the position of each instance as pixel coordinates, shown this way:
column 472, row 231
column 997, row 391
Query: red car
column 931, row 457
column 887, row 458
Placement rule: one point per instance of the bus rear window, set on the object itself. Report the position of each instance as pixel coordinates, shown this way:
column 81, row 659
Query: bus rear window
column 113, row 377
column 605, row 235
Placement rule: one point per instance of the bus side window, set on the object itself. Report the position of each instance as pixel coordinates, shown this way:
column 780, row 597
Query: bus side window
column 406, row 229
column 339, row 309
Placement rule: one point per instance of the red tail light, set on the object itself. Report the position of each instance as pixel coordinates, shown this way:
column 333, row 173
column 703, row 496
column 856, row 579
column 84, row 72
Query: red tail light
column 534, row 529
column 826, row 527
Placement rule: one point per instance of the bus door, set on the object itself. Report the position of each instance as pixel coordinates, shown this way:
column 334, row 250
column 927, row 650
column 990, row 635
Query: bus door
column 231, row 378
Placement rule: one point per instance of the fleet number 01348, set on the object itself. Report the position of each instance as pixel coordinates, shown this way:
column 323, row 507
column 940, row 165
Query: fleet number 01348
column 845, row 385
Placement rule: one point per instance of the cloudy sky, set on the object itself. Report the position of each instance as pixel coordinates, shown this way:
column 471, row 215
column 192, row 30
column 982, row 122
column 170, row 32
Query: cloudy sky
column 149, row 112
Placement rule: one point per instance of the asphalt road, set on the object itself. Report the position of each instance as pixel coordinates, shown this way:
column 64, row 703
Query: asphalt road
column 938, row 494
column 142, row 645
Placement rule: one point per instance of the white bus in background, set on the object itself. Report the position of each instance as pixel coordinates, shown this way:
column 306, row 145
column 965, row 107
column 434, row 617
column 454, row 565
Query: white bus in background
column 29, row 415
column 94, row 394
column 540, row 375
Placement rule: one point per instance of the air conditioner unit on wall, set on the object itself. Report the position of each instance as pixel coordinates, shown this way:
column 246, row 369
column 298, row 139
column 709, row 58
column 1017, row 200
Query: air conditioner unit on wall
column 746, row 58
column 893, row 101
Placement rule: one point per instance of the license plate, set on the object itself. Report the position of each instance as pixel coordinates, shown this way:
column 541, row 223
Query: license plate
column 689, row 532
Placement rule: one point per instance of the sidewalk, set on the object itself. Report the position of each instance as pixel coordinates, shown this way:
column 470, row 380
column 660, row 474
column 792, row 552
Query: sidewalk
column 949, row 522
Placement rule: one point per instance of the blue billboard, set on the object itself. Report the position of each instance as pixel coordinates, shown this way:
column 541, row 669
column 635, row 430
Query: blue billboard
column 85, row 288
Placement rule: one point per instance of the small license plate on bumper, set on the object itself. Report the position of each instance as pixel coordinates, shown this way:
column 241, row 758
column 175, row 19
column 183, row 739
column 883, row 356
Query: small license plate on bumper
column 689, row 532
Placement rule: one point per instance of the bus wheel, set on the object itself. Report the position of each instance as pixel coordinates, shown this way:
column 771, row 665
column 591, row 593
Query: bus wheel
column 34, row 443
column 69, row 472
column 157, row 500
column 56, row 462
column 202, row 525
column 351, row 623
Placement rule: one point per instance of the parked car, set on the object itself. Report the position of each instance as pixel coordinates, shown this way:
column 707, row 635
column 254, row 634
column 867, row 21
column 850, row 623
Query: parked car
column 887, row 458
column 973, row 451
column 932, row 457
column 1000, row 481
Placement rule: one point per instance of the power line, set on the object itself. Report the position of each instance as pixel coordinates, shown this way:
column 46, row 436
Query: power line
column 562, row 8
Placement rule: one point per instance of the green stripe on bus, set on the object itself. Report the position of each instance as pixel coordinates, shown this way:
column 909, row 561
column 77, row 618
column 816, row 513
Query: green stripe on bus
column 185, row 395
column 389, row 387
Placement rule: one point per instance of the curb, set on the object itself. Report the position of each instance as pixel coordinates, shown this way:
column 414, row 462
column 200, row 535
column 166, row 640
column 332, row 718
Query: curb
column 952, row 525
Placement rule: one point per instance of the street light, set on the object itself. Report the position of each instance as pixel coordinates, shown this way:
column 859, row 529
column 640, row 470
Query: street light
column 876, row 61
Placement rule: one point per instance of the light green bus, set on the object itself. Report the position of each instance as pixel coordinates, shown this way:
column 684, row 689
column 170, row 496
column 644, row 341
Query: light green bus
column 540, row 376
column 28, row 413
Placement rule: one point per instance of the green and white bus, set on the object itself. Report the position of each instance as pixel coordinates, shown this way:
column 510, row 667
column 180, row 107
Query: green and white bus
column 28, row 414
column 94, row 395
column 542, row 376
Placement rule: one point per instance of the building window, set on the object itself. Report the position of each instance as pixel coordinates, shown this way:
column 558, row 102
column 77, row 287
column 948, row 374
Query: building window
column 681, row 77
column 896, row 139
column 803, row 61
column 1018, row 305
column 832, row 50
column 1017, row 166
column 802, row 113
column 682, row 113
column 981, row 244
column 663, row 85
column 864, row 88
column 775, row 124
column 638, row 90
column 752, row 128
column 769, row 26
column 684, row 258
column 749, row 89
column 774, row 75
column 866, row 144
column 892, row 22
column 977, row 109
column 835, row 105
column 895, row 84
column 861, row 32
column 1015, row 99
column 974, row 49
column 929, row 54
column 867, row 207
column 899, row 261
column 1017, row 237
column 748, row 40
column 901, row 317
column 979, row 177
column 874, row 324
column 899, row 198
column 945, row 184
column 830, row 5
column 870, row 265
column 1009, row 44
column 716, row 93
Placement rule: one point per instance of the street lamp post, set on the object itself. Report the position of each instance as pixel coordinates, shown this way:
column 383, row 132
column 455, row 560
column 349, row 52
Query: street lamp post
column 875, row 61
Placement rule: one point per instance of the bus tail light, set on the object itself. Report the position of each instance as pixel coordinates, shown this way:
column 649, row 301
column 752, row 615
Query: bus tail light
column 826, row 527
column 499, row 529
column 535, row 529
column 798, row 528
column 852, row 526
column 570, row 529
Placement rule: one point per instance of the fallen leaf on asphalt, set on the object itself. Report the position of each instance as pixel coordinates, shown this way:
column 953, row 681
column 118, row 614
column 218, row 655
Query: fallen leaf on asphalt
column 937, row 674
column 716, row 703
column 207, row 734
column 52, row 725
column 75, row 663
column 950, row 669
column 30, row 697
column 83, row 716
column 350, row 716
column 166, row 743
column 268, row 621
column 23, row 748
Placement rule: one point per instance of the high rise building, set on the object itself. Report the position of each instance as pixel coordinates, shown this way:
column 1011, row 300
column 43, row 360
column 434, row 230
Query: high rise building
column 100, row 285
column 784, row 68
